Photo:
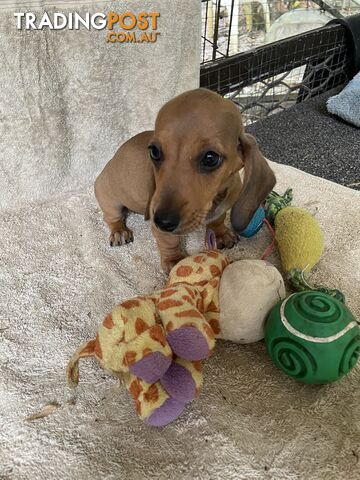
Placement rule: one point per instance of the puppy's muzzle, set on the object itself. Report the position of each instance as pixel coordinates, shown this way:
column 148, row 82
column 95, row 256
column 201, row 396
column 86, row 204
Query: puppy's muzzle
column 167, row 221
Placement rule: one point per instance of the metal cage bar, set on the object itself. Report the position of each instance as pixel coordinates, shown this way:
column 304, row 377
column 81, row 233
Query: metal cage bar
column 276, row 75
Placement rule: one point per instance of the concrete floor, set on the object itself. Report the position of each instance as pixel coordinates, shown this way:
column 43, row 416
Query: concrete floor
column 306, row 136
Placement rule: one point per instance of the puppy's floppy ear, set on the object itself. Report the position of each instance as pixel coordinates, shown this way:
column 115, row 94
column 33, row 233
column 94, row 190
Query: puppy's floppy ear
column 147, row 214
column 258, row 182
column 147, row 208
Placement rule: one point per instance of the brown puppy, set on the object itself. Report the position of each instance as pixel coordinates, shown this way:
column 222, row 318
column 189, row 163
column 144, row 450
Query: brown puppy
column 185, row 174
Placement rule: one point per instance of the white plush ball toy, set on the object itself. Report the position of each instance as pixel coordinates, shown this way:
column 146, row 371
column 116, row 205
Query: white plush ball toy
column 249, row 289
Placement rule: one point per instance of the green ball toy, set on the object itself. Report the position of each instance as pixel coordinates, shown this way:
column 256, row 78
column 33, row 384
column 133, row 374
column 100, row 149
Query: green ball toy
column 313, row 337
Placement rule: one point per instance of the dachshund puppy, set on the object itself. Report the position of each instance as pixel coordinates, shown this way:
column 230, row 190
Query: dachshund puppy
column 185, row 174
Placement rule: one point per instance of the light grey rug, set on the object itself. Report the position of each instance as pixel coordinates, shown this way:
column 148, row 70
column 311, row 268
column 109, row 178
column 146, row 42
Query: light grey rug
column 59, row 277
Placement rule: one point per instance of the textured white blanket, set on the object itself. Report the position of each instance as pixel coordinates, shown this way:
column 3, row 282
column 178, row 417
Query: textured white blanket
column 68, row 99
column 59, row 277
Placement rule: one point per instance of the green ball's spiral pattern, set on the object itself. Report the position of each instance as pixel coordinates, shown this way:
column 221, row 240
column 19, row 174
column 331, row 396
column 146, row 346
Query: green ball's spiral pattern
column 350, row 356
column 316, row 307
column 292, row 358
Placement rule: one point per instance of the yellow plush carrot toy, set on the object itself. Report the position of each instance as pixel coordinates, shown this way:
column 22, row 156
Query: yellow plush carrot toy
column 299, row 239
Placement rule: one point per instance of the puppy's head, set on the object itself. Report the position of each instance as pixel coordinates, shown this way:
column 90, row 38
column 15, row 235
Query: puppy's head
column 197, row 149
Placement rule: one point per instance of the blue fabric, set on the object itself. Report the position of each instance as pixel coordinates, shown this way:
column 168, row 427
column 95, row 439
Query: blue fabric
column 347, row 103
column 255, row 223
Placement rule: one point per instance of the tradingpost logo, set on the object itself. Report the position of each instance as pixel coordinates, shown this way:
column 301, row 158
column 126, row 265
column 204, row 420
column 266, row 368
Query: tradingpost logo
column 127, row 27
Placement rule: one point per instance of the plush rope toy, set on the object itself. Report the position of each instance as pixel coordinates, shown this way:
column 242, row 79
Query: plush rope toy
column 299, row 239
column 155, row 343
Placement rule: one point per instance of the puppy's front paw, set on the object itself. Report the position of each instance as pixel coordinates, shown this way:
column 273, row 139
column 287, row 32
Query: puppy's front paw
column 121, row 237
column 168, row 263
column 226, row 239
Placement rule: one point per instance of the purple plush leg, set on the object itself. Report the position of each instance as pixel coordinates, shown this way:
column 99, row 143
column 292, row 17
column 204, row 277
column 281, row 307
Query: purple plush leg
column 188, row 343
column 179, row 383
column 169, row 411
column 152, row 367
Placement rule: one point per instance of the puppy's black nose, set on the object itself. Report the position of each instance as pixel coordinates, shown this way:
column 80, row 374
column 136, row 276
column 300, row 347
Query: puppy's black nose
column 166, row 221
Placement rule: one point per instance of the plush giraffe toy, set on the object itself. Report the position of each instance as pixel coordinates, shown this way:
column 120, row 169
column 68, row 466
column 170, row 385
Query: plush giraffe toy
column 156, row 342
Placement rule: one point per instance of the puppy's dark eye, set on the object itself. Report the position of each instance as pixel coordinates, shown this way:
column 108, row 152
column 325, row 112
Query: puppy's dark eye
column 210, row 161
column 155, row 153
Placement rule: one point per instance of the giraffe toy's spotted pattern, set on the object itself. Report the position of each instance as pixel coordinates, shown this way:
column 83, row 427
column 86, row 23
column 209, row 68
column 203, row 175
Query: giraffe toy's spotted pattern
column 156, row 342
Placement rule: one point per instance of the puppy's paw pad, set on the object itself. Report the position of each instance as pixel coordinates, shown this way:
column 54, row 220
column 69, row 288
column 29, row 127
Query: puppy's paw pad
column 227, row 239
column 121, row 238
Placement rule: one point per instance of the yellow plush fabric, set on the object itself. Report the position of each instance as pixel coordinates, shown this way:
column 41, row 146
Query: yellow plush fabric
column 139, row 326
column 299, row 238
column 147, row 397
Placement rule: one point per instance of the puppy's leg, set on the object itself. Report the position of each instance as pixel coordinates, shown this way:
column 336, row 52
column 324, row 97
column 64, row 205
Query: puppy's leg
column 170, row 249
column 120, row 234
column 225, row 237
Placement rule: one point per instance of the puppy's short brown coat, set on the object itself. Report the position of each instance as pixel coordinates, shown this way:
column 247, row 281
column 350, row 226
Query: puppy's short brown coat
column 186, row 173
